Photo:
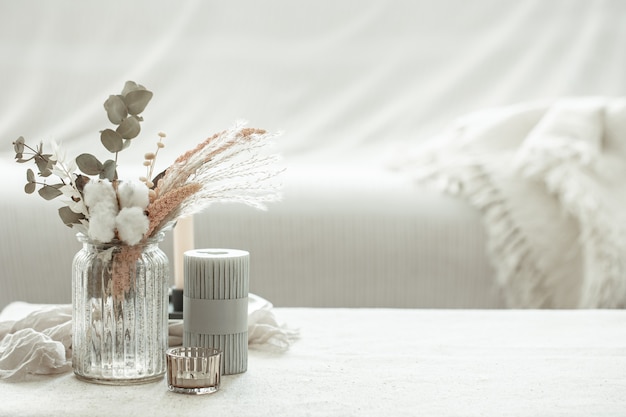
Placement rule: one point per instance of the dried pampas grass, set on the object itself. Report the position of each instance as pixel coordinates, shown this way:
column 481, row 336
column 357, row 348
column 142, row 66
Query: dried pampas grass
column 229, row 166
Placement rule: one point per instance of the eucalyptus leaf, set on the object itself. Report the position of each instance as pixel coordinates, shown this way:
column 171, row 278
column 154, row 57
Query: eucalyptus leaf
column 116, row 109
column 18, row 145
column 131, row 86
column 80, row 182
column 136, row 101
column 129, row 128
column 108, row 170
column 88, row 164
column 112, row 140
column 30, row 175
column 69, row 217
column 51, row 162
column 43, row 164
column 30, row 188
column 50, row 192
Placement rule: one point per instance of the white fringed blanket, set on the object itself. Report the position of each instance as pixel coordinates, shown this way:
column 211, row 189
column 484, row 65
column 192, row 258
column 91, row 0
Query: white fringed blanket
column 550, row 181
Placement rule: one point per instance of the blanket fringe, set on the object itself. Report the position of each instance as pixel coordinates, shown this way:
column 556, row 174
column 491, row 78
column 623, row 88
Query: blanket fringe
column 569, row 158
column 602, row 237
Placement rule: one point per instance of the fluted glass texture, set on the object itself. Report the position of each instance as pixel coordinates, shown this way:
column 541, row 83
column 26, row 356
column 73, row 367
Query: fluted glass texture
column 120, row 312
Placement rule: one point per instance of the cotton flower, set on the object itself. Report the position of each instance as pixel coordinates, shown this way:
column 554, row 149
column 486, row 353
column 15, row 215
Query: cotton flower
column 131, row 223
column 101, row 201
column 102, row 224
column 96, row 192
column 133, row 194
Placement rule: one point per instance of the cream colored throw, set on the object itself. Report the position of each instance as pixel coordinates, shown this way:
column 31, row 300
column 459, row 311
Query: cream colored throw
column 550, row 181
column 37, row 339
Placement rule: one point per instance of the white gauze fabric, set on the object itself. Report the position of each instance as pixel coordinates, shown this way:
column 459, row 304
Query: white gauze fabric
column 550, row 181
column 40, row 341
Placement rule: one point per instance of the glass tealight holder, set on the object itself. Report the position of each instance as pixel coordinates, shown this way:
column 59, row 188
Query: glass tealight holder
column 193, row 370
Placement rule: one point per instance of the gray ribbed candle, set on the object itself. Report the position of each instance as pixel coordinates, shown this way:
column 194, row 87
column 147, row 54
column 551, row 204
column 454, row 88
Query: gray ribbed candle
column 215, row 304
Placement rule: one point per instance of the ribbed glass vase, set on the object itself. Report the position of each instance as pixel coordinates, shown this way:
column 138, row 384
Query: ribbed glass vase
column 120, row 312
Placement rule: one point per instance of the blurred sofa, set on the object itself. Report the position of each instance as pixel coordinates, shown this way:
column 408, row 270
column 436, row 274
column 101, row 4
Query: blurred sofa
column 352, row 86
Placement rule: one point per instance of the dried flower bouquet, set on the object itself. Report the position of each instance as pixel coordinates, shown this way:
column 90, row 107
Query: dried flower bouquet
column 227, row 167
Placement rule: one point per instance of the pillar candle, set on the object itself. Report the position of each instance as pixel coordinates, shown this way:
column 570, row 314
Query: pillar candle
column 215, row 304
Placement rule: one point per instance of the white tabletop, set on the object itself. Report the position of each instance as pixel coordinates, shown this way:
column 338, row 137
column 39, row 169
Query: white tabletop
column 377, row 362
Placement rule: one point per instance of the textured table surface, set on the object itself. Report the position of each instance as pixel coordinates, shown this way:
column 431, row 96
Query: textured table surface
column 385, row 362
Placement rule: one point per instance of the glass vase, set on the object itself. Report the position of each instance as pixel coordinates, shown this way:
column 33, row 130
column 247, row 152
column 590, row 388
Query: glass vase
column 120, row 312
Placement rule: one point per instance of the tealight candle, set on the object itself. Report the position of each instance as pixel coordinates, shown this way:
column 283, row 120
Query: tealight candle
column 193, row 370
